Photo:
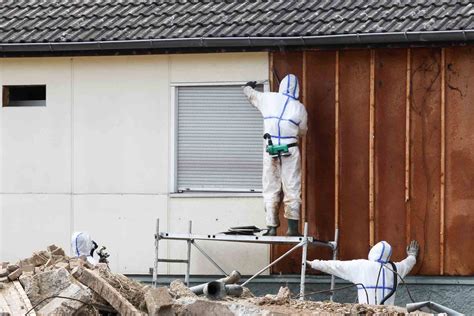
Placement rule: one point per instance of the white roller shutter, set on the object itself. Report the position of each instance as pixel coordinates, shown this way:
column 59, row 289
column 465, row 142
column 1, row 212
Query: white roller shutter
column 219, row 140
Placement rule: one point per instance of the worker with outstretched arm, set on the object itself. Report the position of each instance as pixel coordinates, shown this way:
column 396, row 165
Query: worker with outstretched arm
column 378, row 275
column 285, row 121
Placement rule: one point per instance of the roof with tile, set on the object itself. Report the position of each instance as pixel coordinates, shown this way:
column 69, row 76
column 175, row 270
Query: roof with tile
column 66, row 21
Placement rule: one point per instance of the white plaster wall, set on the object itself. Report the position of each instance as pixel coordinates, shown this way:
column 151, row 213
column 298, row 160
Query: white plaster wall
column 210, row 216
column 36, row 140
column 98, row 158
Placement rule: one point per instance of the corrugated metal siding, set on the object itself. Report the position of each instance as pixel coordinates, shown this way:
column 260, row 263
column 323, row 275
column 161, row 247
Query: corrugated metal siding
column 219, row 140
column 420, row 168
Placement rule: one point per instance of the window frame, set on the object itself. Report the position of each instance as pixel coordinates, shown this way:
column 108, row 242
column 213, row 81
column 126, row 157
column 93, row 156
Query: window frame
column 23, row 103
column 173, row 140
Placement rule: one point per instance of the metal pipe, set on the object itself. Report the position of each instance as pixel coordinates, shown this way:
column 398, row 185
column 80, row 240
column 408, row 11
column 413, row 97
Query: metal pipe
column 232, row 278
column 273, row 263
column 206, row 42
column 217, row 290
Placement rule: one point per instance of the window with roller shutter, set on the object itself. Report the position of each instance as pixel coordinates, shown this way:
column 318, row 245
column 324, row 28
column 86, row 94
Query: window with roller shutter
column 219, row 140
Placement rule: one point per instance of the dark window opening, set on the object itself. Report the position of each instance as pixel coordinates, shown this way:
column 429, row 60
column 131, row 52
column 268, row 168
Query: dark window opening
column 34, row 95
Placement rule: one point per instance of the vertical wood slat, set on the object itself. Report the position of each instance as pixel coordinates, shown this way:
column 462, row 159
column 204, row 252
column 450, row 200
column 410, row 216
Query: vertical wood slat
column 443, row 161
column 284, row 63
column 337, row 167
column 354, row 96
column 459, row 176
column 320, row 148
column 407, row 146
column 425, row 146
column 389, row 177
column 372, row 150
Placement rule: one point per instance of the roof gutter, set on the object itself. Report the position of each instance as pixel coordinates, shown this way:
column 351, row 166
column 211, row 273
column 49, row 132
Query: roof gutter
column 251, row 41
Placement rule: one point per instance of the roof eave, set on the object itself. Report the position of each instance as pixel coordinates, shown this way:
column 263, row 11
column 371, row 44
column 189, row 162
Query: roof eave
column 223, row 42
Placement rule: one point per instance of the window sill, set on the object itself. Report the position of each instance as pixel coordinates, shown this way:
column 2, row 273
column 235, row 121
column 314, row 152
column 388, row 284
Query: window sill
column 215, row 194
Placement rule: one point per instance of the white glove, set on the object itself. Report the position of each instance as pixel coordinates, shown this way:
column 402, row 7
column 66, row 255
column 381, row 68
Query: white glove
column 413, row 248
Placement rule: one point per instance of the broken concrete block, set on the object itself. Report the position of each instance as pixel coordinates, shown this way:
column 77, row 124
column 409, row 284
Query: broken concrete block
column 61, row 306
column 200, row 307
column 60, row 265
column 52, row 248
column 24, row 262
column 12, row 267
column 39, row 258
column 179, row 289
column 28, row 268
column 4, row 273
column 158, row 301
column 94, row 281
column 45, row 284
column 4, row 279
column 15, row 274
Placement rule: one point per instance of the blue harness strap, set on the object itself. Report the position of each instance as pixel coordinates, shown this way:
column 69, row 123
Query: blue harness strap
column 77, row 248
column 277, row 118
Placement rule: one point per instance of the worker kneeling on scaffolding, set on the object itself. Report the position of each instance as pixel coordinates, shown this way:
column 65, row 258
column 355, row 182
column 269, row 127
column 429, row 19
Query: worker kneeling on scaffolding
column 285, row 121
column 376, row 278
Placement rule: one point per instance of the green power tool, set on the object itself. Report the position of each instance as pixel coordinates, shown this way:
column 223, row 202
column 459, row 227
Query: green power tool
column 276, row 151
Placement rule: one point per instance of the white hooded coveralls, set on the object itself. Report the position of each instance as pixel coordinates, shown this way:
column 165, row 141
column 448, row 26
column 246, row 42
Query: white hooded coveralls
column 366, row 272
column 81, row 245
column 285, row 119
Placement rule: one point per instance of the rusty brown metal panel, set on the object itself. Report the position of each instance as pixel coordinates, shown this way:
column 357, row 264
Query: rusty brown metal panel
column 320, row 100
column 459, row 218
column 354, row 153
column 425, row 157
column 283, row 64
column 390, row 97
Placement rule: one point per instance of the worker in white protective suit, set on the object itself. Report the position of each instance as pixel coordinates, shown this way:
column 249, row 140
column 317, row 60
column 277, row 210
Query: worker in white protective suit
column 376, row 274
column 82, row 245
column 285, row 121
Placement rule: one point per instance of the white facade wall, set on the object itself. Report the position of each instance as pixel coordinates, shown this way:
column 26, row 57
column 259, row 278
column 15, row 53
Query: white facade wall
column 99, row 158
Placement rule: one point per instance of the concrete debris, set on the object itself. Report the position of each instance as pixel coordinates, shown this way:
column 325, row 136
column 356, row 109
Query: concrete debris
column 15, row 274
column 93, row 280
column 45, row 284
column 201, row 307
column 61, row 306
column 158, row 301
column 283, row 297
column 46, row 278
column 179, row 289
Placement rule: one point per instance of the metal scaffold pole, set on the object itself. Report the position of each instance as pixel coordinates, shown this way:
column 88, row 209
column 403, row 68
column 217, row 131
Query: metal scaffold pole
column 303, row 261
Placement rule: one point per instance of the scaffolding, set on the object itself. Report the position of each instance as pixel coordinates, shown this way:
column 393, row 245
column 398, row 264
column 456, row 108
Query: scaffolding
column 190, row 238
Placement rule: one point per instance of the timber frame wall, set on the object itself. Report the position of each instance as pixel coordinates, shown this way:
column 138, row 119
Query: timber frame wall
column 390, row 152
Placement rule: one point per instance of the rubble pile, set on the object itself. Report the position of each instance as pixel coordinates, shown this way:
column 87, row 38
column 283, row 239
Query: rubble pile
column 51, row 283
column 56, row 284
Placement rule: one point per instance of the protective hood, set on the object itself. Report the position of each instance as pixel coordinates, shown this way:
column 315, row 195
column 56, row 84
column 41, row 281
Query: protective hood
column 289, row 86
column 81, row 244
column 380, row 252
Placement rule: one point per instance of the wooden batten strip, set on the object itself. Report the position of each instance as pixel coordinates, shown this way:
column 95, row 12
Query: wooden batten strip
column 443, row 163
column 407, row 146
column 336, row 145
column 372, row 150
